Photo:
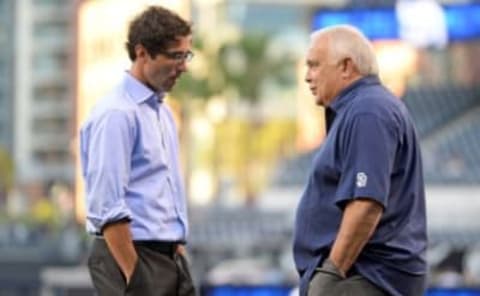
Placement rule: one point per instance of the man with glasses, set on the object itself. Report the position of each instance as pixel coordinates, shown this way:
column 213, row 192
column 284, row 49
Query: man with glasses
column 136, row 207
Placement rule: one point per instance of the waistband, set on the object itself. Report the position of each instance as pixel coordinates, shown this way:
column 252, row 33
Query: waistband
column 163, row 247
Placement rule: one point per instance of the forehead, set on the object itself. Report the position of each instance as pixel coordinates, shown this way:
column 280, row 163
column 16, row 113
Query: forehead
column 318, row 47
column 183, row 43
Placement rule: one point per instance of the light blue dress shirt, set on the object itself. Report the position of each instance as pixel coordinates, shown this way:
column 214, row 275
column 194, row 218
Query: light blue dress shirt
column 129, row 158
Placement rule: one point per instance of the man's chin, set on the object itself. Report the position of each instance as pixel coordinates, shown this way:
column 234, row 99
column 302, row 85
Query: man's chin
column 168, row 86
column 166, row 89
column 319, row 102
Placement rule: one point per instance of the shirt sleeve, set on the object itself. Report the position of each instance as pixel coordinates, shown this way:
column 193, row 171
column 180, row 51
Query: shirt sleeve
column 367, row 150
column 108, row 146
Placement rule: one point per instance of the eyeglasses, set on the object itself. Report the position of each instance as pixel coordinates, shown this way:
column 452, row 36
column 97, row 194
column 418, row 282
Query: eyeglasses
column 179, row 56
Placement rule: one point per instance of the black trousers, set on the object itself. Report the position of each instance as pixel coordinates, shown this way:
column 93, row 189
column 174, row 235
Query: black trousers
column 156, row 273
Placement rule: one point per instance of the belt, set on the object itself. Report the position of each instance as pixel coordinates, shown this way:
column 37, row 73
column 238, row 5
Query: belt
column 163, row 247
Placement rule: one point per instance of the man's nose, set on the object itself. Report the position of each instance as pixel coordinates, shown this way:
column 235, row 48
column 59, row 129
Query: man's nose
column 307, row 78
column 182, row 66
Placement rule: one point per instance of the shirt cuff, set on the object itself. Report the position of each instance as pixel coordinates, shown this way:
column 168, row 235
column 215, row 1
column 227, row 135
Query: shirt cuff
column 118, row 212
column 342, row 200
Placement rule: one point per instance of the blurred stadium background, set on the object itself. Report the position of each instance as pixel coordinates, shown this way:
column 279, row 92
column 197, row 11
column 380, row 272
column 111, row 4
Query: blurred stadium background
column 248, row 129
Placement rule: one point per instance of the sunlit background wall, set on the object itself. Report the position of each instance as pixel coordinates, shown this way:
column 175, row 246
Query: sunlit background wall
column 248, row 130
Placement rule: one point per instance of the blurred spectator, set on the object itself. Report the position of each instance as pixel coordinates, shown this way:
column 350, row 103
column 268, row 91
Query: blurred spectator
column 471, row 263
column 42, row 211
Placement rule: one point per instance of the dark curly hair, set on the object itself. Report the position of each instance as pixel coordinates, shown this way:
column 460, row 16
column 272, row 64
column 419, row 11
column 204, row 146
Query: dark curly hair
column 156, row 28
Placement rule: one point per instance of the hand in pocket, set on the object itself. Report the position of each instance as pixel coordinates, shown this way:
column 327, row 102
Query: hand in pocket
column 185, row 283
column 135, row 277
column 325, row 280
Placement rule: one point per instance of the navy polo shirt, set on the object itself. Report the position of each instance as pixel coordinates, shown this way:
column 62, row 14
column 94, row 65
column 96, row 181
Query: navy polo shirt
column 371, row 151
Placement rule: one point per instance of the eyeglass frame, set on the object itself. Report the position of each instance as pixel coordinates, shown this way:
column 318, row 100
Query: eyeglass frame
column 178, row 56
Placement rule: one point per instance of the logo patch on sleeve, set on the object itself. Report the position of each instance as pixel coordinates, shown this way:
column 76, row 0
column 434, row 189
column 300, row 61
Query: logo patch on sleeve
column 361, row 179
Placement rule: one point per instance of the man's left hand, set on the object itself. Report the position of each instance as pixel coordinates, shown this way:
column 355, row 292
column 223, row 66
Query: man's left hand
column 181, row 250
column 331, row 265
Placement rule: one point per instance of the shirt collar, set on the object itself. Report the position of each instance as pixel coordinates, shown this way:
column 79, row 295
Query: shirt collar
column 345, row 95
column 139, row 92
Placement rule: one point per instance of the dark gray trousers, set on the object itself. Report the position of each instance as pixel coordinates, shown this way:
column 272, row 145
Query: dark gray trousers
column 155, row 274
column 326, row 281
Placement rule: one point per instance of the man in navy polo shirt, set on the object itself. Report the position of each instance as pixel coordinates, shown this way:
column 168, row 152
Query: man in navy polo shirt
column 360, row 226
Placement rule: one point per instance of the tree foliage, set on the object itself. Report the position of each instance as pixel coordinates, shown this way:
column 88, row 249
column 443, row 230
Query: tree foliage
column 6, row 170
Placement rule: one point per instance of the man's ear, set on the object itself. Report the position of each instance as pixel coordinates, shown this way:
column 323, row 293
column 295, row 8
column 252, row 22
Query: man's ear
column 348, row 68
column 140, row 52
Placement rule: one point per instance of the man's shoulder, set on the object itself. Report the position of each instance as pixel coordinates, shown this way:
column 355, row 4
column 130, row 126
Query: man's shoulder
column 380, row 104
column 377, row 101
column 117, row 98
column 115, row 102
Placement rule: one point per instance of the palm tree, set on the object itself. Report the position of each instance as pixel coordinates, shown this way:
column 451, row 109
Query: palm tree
column 248, row 66
column 242, row 67
column 6, row 172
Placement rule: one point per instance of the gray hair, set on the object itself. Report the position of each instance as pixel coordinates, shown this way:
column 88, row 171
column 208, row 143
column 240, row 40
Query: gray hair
column 345, row 41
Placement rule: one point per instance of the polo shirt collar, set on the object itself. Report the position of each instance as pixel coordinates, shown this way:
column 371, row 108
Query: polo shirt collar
column 345, row 95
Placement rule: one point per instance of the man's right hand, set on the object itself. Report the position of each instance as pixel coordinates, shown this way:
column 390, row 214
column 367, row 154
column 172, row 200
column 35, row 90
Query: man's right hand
column 119, row 241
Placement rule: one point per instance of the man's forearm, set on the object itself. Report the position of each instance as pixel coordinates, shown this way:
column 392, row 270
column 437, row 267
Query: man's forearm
column 120, row 244
column 360, row 219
